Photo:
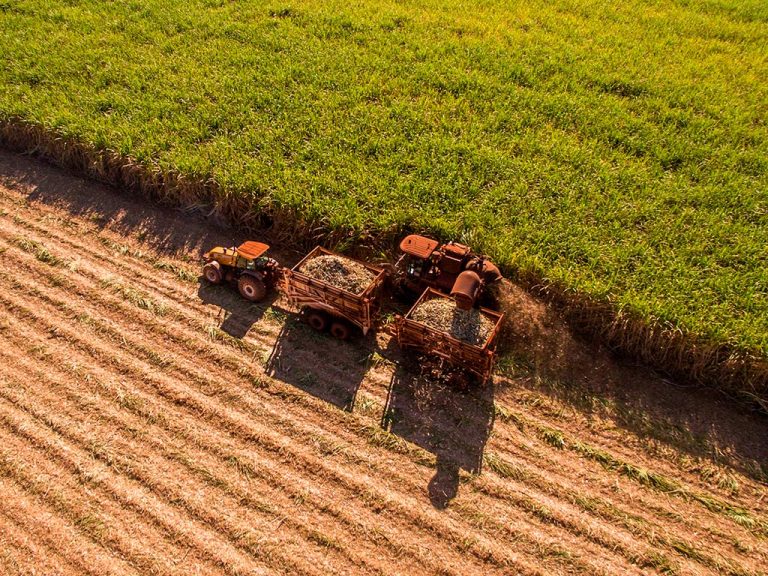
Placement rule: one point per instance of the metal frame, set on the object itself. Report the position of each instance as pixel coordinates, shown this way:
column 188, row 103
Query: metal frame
column 417, row 335
column 359, row 309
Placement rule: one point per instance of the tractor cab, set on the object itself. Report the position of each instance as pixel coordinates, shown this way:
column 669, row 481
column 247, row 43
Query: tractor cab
column 426, row 263
column 417, row 254
column 242, row 256
column 251, row 250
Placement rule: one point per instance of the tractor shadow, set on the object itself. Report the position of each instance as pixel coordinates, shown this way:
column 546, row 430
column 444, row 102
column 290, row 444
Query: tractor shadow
column 236, row 315
column 451, row 421
column 318, row 364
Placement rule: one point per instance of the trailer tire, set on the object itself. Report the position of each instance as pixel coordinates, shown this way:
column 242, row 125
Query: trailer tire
column 212, row 272
column 340, row 330
column 251, row 288
column 317, row 320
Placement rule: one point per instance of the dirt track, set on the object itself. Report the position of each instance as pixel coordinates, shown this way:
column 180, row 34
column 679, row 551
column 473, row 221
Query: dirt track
column 150, row 424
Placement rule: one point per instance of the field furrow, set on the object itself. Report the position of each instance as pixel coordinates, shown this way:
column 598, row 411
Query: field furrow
column 145, row 277
column 142, row 267
column 260, row 498
column 153, row 424
column 202, row 404
column 517, row 536
column 118, row 513
column 19, row 547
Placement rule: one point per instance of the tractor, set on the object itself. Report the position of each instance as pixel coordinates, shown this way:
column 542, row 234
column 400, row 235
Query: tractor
column 246, row 264
column 450, row 268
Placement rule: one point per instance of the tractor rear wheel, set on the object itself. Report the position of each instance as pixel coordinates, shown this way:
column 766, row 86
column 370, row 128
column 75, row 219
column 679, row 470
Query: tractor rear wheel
column 317, row 320
column 251, row 288
column 340, row 330
column 212, row 272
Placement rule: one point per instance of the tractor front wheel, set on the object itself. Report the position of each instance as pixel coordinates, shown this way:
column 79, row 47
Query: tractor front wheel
column 251, row 288
column 212, row 272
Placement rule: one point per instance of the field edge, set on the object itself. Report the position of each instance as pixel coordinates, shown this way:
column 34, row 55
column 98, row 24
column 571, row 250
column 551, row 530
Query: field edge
column 740, row 374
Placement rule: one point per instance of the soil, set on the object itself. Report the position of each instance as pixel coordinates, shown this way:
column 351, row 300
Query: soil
column 151, row 423
column 339, row 272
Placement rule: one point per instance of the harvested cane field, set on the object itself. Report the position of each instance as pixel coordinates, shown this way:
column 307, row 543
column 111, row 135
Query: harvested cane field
column 153, row 424
column 611, row 154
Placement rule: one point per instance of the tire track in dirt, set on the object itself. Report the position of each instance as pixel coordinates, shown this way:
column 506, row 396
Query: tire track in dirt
column 148, row 282
column 670, row 463
column 683, row 533
column 532, row 446
column 107, row 499
column 544, row 414
column 145, row 284
column 156, row 477
column 32, row 475
column 147, row 417
column 235, row 460
column 18, row 546
column 178, row 498
column 41, row 320
column 120, row 445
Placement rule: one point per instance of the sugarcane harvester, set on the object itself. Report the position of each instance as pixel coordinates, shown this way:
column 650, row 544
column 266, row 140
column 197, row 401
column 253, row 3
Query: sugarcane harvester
column 450, row 268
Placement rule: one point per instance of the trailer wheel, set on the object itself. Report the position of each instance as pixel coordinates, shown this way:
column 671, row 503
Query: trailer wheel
column 340, row 330
column 212, row 272
column 317, row 320
column 251, row 288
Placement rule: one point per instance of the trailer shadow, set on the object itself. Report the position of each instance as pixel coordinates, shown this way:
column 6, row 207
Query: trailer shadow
column 453, row 423
column 332, row 372
column 236, row 315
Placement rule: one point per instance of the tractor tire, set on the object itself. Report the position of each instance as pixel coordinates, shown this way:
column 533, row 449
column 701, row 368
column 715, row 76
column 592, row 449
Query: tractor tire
column 212, row 272
column 317, row 320
column 340, row 330
column 251, row 288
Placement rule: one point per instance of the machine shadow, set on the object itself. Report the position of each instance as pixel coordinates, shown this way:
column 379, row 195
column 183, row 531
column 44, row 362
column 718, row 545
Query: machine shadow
column 236, row 315
column 318, row 364
column 453, row 423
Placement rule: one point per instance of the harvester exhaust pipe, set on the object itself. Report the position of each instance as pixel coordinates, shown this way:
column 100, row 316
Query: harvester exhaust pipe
column 466, row 289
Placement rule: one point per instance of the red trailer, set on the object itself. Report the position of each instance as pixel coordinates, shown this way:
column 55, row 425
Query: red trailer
column 327, row 306
column 415, row 335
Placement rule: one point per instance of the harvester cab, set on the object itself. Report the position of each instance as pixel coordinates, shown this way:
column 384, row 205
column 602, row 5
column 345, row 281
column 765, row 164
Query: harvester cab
column 450, row 268
column 246, row 264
